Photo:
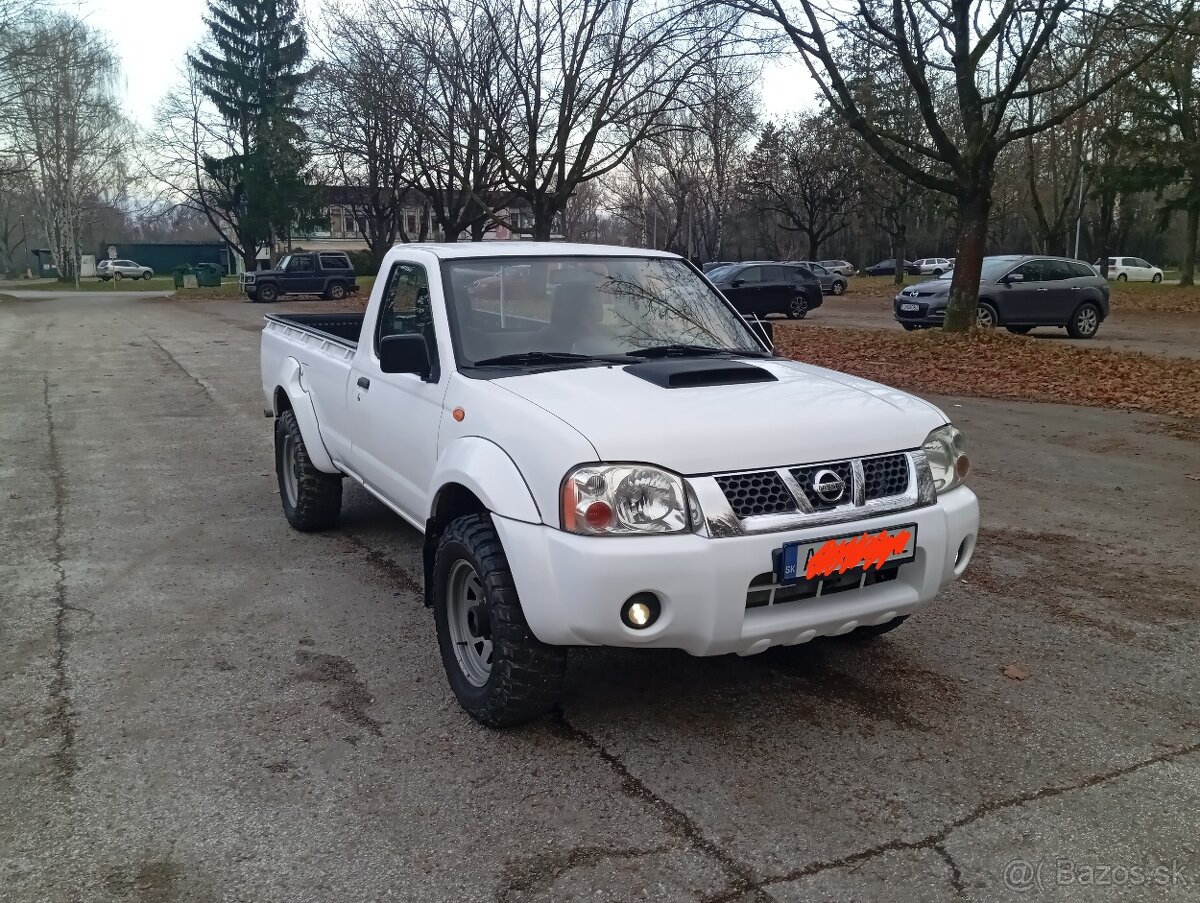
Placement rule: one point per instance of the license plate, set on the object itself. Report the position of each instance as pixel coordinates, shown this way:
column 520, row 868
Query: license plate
column 869, row 550
column 910, row 306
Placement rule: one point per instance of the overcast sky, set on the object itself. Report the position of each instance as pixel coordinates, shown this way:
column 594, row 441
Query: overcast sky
column 152, row 36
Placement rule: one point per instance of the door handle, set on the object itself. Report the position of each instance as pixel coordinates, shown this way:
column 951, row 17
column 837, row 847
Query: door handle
column 1043, row 289
column 364, row 383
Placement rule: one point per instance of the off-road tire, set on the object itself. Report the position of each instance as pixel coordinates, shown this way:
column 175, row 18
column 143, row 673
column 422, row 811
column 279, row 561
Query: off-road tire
column 871, row 631
column 1019, row 330
column 318, row 499
column 1078, row 327
column 525, row 681
column 268, row 294
column 335, row 292
column 797, row 308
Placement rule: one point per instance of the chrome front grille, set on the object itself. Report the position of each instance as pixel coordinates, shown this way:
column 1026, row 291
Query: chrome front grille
column 788, row 498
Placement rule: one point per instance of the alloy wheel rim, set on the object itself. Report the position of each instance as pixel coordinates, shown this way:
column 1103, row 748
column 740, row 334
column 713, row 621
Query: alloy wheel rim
column 1087, row 321
column 472, row 640
column 799, row 307
column 984, row 318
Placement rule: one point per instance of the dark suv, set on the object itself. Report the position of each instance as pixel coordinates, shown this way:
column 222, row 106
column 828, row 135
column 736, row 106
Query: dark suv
column 759, row 288
column 1019, row 293
column 325, row 273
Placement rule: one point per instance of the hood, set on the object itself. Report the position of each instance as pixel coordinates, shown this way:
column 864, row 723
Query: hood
column 271, row 272
column 927, row 289
column 806, row 414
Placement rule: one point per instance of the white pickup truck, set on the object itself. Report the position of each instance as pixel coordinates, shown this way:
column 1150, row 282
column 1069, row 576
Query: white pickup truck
column 599, row 450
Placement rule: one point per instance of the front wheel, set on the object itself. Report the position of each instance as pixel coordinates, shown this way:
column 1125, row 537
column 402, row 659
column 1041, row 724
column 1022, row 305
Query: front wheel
column 499, row 671
column 838, row 287
column 1157, row 277
column 1084, row 322
column 312, row 499
column 798, row 309
column 268, row 293
column 117, row 276
column 147, row 275
column 986, row 316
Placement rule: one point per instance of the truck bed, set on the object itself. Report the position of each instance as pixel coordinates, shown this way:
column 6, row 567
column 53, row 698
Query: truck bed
column 344, row 328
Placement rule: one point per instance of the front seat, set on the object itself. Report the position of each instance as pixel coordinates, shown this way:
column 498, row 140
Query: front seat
column 575, row 315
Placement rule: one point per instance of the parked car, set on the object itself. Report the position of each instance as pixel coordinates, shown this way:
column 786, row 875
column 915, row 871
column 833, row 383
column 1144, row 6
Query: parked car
column 1019, row 293
column 888, row 268
column 841, row 267
column 624, row 463
column 762, row 288
column 713, row 264
column 1131, row 269
column 932, row 266
column 117, row 270
column 325, row 273
column 831, row 283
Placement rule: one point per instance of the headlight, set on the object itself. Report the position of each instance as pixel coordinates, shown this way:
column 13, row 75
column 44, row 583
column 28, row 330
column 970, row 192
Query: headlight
column 623, row 500
column 945, row 450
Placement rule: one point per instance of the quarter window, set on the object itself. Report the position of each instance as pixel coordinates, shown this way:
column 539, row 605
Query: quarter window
column 1054, row 270
column 751, row 274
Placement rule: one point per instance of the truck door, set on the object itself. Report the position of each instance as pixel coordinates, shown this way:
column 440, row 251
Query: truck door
column 301, row 277
column 394, row 417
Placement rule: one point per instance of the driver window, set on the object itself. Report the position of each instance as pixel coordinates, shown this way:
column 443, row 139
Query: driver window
column 1032, row 271
column 405, row 308
column 751, row 274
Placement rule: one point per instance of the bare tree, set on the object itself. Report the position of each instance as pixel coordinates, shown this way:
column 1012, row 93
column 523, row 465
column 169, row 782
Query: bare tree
column 577, row 84
column 65, row 130
column 968, row 63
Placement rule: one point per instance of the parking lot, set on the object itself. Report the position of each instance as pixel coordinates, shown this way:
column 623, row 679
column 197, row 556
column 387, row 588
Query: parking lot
column 200, row 704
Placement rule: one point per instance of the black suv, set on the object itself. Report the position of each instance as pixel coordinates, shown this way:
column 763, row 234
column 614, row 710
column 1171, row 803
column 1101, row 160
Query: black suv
column 325, row 273
column 1019, row 293
column 760, row 288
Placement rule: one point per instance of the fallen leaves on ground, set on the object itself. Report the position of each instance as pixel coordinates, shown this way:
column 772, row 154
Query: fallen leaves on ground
column 998, row 365
column 1016, row 671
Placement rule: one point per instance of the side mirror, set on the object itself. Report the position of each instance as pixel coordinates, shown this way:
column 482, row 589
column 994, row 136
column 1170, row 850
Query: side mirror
column 404, row 354
column 737, row 283
column 1014, row 277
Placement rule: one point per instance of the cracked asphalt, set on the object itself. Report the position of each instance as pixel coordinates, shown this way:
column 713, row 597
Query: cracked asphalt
column 199, row 704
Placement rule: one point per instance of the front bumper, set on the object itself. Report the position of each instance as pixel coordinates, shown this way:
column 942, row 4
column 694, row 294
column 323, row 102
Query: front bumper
column 929, row 312
column 572, row 587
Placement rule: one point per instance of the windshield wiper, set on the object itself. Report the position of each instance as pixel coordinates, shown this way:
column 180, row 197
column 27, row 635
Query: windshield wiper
column 680, row 350
column 546, row 357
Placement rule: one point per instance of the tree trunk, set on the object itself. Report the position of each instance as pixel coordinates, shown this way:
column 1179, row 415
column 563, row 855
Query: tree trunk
column 899, row 249
column 973, row 210
column 814, row 245
column 1187, row 269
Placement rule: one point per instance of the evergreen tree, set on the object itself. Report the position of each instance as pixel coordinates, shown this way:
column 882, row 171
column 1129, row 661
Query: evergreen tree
column 251, row 69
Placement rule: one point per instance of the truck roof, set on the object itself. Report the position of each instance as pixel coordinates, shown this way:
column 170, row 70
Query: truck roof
column 530, row 249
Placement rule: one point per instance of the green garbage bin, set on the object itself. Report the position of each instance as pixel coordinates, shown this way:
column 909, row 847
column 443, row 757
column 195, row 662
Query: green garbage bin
column 208, row 275
column 180, row 271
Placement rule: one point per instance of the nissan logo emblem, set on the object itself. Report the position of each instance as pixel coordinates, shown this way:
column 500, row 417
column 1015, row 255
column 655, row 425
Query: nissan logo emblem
column 828, row 486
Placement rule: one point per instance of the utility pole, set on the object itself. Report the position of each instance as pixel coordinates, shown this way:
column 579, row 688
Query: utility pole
column 25, row 243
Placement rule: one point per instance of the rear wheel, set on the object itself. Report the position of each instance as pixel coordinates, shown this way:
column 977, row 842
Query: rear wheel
column 312, row 499
column 937, row 272
column 1122, row 277
column 986, row 316
column 798, row 308
column 268, row 293
column 1084, row 322
column 117, row 276
column 499, row 671
column 335, row 292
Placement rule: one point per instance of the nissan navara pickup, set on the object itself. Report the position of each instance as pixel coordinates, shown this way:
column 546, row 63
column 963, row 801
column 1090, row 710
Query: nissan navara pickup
column 599, row 450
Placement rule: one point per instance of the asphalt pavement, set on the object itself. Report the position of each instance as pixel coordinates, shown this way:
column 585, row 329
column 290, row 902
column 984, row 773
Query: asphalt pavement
column 200, row 704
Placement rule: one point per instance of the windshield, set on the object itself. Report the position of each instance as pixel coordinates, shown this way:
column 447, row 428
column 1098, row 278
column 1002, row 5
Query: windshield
column 588, row 306
column 283, row 264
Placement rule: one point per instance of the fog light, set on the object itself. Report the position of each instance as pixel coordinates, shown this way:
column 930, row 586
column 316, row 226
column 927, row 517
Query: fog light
column 641, row 610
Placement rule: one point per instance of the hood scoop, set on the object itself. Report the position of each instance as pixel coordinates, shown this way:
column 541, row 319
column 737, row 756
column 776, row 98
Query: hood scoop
column 691, row 373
